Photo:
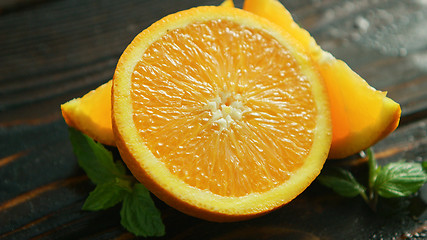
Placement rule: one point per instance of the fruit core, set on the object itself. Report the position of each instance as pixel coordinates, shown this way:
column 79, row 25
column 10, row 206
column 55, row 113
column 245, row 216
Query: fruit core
column 224, row 107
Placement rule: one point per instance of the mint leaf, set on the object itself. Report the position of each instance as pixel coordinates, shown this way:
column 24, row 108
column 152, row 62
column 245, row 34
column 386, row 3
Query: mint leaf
column 107, row 194
column 139, row 215
column 342, row 182
column 399, row 179
column 95, row 160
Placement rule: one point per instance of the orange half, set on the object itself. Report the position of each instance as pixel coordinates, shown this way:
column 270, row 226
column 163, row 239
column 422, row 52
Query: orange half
column 217, row 113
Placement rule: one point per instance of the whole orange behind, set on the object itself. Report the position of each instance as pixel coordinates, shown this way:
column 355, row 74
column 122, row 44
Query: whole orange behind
column 218, row 114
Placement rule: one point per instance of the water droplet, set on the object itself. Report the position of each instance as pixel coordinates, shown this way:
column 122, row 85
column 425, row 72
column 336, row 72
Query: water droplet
column 362, row 24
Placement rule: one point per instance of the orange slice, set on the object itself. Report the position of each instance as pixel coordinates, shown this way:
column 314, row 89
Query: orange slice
column 217, row 113
column 91, row 114
column 361, row 115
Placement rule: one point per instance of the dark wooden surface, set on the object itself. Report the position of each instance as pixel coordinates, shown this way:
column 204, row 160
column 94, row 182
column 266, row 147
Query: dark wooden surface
column 52, row 51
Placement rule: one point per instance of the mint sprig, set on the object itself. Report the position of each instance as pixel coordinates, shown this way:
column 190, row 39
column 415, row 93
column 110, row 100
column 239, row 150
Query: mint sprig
column 138, row 215
column 397, row 179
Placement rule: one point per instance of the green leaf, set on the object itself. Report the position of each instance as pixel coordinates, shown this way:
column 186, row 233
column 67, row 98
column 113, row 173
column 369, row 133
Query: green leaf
column 139, row 215
column 399, row 179
column 95, row 160
column 424, row 163
column 342, row 182
column 107, row 194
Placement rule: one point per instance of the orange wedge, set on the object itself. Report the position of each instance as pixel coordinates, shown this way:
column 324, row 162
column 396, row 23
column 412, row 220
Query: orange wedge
column 91, row 114
column 218, row 114
column 361, row 115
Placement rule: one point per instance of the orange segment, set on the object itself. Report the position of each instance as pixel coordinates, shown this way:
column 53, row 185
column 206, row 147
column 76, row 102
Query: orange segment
column 361, row 115
column 91, row 114
column 218, row 114
column 275, row 12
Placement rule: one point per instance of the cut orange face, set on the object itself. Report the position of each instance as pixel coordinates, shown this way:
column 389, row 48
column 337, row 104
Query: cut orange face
column 217, row 113
column 361, row 115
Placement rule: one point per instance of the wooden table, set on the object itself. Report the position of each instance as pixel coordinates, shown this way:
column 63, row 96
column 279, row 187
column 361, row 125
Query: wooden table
column 52, row 51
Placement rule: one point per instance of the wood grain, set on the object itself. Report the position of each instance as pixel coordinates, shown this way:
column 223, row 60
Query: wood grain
column 53, row 51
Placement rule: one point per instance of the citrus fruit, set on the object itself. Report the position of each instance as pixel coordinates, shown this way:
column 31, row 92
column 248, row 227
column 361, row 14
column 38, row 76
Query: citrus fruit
column 218, row 114
column 91, row 114
column 361, row 115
